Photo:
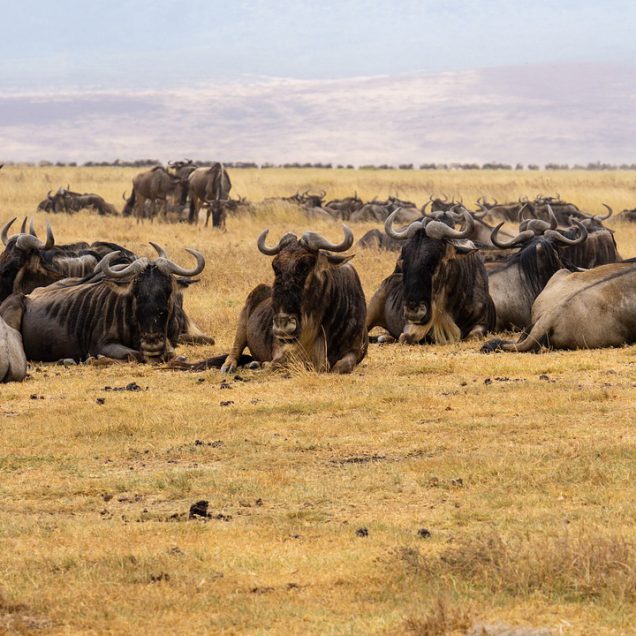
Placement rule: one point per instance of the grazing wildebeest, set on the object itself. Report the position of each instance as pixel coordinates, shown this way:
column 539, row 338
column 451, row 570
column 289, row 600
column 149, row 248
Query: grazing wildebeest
column 27, row 262
column 581, row 310
column 439, row 289
column 129, row 311
column 515, row 283
column 315, row 311
column 13, row 365
column 210, row 187
column 154, row 186
column 627, row 215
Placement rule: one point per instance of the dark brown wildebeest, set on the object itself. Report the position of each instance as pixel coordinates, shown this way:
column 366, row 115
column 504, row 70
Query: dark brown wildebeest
column 314, row 313
column 27, row 262
column 439, row 288
column 129, row 311
column 581, row 310
column 627, row 215
column 377, row 240
column 209, row 187
column 13, row 364
column 343, row 208
column 515, row 283
column 154, row 186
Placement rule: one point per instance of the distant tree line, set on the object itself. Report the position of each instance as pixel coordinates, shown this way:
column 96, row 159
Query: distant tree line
column 491, row 165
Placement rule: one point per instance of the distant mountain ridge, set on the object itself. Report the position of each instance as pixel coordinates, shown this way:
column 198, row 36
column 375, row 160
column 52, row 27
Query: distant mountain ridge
column 529, row 114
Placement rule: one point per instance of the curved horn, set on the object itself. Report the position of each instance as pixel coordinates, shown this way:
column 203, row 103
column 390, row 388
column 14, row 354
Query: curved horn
column 439, row 230
column 48, row 194
column 522, row 237
column 159, row 249
column 32, row 231
column 557, row 236
column 406, row 233
column 445, row 197
column 269, row 251
column 315, row 242
column 23, row 226
column 5, row 230
column 173, row 268
column 553, row 219
column 134, row 268
column 322, row 194
column 609, row 213
column 50, row 239
column 423, row 210
column 123, row 196
column 481, row 214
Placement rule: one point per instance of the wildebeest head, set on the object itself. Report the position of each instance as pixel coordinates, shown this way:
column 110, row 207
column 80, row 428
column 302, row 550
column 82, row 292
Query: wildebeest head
column 299, row 264
column 18, row 251
column 429, row 244
column 156, row 293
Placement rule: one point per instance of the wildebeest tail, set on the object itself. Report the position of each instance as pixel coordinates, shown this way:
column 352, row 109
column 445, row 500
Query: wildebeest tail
column 532, row 341
column 215, row 362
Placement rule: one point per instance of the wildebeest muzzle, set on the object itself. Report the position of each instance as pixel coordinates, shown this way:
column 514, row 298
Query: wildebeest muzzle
column 416, row 312
column 285, row 326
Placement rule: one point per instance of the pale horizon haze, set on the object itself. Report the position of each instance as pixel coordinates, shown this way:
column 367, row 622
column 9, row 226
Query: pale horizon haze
column 341, row 82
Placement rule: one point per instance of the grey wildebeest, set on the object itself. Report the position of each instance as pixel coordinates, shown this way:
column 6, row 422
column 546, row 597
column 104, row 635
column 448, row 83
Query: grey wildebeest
column 131, row 311
column 153, row 186
column 439, row 288
column 13, row 365
column 581, row 310
column 209, row 187
column 515, row 283
column 314, row 312
column 27, row 262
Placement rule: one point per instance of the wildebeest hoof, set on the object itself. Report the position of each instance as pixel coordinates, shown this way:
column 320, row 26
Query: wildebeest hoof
column 254, row 365
column 229, row 366
column 67, row 362
column 386, row 339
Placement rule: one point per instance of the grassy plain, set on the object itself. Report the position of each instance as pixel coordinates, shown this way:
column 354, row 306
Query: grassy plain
column 521, row 467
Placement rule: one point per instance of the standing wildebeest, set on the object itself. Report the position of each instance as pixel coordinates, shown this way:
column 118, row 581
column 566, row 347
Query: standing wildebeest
column 27, row 262
column 129, row 311
column 13, row 365
column 210, row 187
column 439, row 288
column 154, row 186
column 314, row 312
column 581, row 310
column 515, row 283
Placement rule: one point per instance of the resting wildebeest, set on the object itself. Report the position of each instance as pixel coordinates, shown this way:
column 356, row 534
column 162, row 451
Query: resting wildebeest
column 27, row 262
column 343, row 208
column 314, row 312
column 13, row 364
column 515, row 283
column 581, row 310
column 439, row 288
column 209, row 187
column 129, row 311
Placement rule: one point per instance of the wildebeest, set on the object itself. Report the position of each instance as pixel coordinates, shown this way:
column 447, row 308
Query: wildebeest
column 581, row 310
column 627, row 215
column 515, row 283
column 377, row 240
column 209, row 187
column 129, row 311
column 13, row 365
column 439, row 288
column 314, row 312
column 27, row 262
column 154, row 186
column 343, row 208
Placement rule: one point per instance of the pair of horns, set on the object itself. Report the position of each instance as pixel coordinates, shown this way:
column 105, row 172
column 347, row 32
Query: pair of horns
column 311, row 240
column 433, row 228
column 28, row 241
column 163, row 263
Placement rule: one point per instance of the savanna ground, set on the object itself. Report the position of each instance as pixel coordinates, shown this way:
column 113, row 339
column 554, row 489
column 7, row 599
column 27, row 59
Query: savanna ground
column 521, row 467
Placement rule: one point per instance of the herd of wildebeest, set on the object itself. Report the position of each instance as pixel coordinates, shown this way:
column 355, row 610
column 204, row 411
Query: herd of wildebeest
column 558, row 279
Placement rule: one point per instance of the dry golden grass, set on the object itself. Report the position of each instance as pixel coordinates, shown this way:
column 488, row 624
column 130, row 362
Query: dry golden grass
column 525, row 482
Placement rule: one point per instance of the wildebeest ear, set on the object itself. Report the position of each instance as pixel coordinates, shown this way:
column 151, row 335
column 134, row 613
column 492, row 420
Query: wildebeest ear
column 186, row 282
column 326, row 260
column 464, row 248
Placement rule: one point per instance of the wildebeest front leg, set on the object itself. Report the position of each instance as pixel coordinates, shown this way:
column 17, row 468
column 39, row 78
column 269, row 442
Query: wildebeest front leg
column 346, row 364
column 120, row 352
column 240, row 342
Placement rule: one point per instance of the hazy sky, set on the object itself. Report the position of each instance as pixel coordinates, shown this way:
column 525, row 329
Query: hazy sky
column 151, row 43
